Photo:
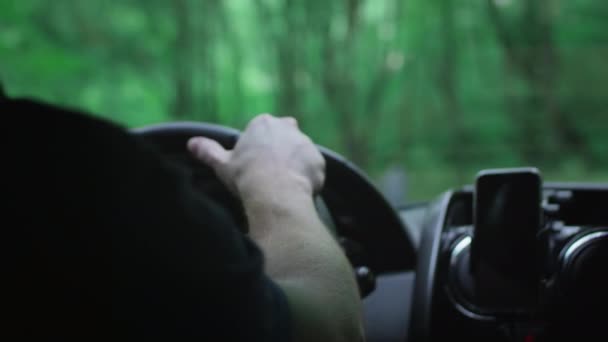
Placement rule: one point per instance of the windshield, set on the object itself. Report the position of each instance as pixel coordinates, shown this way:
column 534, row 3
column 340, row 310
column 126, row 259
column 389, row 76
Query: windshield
column 420, row 94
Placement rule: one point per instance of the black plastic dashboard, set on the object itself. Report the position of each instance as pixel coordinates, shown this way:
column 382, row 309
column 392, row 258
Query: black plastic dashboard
column 443, row 300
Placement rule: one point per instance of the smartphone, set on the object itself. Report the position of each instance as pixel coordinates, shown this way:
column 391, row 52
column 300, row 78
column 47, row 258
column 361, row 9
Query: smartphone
column 504, row 250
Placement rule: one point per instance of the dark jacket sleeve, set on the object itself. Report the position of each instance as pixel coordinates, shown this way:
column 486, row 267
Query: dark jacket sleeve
column 112, row 240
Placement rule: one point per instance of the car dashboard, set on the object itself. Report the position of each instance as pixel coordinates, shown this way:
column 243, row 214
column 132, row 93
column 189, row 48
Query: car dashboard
column 438, row 300
column 414, row 265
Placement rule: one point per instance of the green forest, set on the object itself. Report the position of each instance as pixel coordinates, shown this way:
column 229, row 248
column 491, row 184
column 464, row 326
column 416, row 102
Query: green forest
column 424, row 91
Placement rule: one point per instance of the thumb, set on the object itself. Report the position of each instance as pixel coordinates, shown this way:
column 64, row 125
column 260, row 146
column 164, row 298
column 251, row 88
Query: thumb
column 209, row 152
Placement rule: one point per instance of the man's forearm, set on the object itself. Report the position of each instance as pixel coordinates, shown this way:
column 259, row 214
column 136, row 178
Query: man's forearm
column 274, row 169
column 303, row 258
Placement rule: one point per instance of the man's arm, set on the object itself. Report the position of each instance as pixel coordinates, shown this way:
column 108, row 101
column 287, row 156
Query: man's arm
column 276, row 170
column 109, row 240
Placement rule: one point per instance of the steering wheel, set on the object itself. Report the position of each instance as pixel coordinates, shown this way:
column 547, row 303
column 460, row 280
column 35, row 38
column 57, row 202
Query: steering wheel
column 369, row 229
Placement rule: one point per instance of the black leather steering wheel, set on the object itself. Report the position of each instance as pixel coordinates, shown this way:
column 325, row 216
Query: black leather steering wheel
column 360, row 212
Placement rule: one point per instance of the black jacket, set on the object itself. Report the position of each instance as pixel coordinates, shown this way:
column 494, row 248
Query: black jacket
column 110, row 241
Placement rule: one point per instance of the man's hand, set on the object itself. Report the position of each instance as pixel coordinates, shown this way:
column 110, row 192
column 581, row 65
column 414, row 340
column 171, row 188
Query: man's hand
column 275, row 170
column 270, row 153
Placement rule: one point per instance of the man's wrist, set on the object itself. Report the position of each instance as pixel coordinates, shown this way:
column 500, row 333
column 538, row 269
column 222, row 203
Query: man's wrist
column 273, row 186
column 277, row 198
column 268, row 206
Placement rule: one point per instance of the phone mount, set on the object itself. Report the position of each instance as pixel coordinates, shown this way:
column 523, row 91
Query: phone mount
column 571, row 259
column 571, row 243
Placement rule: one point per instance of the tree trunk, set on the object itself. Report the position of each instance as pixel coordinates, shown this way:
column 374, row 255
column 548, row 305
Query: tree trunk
column 340, row 88
column 288, row 101
column 448, row 85
column 183, row 49
column 535, row 59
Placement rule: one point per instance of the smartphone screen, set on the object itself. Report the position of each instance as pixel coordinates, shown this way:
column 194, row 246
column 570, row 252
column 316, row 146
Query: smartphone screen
column 507, row 217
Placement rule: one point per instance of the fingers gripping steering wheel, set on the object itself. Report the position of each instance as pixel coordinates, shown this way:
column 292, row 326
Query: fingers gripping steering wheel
column 364, row 223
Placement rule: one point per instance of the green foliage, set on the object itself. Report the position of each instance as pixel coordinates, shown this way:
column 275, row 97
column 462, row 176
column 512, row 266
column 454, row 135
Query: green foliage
column 441, row 88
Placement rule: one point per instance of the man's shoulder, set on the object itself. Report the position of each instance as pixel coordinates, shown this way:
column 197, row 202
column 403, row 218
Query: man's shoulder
column 36, row 113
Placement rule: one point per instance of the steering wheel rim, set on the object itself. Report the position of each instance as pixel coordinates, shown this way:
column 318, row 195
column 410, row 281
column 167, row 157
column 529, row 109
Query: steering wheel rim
column 394, row 251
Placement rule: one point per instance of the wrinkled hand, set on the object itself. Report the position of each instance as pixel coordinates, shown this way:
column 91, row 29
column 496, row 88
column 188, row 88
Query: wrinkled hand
column 272, row 153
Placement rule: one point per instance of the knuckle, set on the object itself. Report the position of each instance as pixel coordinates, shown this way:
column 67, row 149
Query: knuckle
column 322, row 162
column 257, row 118
column 265, row 117
column 306, row 139
column 261, row 119
column 320, row 179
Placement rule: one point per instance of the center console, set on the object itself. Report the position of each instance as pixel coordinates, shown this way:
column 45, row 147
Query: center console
column 514, row 259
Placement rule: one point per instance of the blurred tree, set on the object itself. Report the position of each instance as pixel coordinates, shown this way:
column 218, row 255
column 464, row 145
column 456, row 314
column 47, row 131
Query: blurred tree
column 183, row 104
column 437, row 88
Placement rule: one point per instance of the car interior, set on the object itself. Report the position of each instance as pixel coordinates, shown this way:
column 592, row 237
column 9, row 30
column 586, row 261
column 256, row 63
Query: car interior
column 490, row 115
column 434, row 271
